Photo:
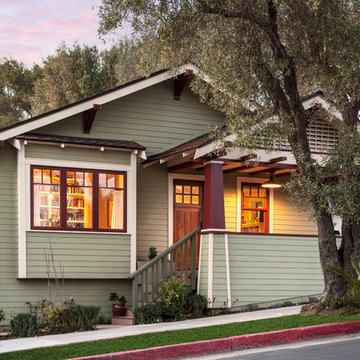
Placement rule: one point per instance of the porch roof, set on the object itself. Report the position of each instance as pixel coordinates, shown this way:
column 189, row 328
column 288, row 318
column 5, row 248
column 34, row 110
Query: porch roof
column 82, row 141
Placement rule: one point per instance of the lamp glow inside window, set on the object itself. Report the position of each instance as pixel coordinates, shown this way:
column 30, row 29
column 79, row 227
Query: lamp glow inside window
column 78, row 199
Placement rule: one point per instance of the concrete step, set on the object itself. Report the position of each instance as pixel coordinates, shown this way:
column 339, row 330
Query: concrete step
column 123, row 320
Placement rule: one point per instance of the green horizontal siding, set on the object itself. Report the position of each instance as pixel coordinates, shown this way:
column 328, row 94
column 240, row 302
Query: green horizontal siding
column 150, row 117
column 77, row 154
column 204, row 266
column 270, row 268
column 80, row 255
column 152, row 210
column 219, row 272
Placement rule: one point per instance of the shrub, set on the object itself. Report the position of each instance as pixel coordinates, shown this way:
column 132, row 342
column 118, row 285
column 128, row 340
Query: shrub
column 24, row 325
column 196, row 305
column 103, row 320
column 81, row 317
column 56, row 320
column 2, row 315
column 171, row 295
column 149, row 314
column 350, row 302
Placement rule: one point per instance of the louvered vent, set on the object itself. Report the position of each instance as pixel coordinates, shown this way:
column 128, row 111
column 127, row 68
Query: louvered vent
column 322, row 136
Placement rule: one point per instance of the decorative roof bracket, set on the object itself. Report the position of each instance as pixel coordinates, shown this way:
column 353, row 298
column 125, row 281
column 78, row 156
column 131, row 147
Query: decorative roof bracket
column 180, row 82
column 89, row 117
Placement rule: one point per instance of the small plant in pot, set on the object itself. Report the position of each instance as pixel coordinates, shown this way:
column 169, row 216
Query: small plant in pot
column 119, row 304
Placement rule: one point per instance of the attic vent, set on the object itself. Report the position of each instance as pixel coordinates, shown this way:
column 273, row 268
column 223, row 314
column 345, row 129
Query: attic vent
column 322, row 136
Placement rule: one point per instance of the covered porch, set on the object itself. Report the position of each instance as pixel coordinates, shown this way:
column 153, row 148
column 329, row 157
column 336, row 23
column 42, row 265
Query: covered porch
column 254, row 245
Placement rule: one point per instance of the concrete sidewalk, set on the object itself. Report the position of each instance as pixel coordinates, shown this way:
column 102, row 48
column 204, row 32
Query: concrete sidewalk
column 112, row 333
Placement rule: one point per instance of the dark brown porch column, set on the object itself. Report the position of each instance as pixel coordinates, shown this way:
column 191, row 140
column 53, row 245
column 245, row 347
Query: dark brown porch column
column 213, row 211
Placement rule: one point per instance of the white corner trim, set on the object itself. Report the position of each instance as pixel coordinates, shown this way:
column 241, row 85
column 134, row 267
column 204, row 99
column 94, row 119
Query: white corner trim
column 199, row 267
column 21, row 193
column 239, row 181
column 227, row 263
column 210, row 270
column 171, row 178
column 131, row 207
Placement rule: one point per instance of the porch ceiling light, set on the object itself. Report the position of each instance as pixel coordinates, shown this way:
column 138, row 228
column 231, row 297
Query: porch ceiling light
column 271, row 183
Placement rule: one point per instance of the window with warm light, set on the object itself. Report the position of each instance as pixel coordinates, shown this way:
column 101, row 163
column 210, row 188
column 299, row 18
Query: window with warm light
column 78, row 199
column 254, row 208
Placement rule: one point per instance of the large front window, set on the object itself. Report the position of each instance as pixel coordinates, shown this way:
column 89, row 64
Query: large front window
column 78, row 199
column 254, row 209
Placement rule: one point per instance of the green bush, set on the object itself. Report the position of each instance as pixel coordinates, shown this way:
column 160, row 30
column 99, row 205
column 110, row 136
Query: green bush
column 195, row 306
column 171, row 295
column 81, row 317
column 24, row 325
column 56, row 320
column 149, row 314
column 2, row 315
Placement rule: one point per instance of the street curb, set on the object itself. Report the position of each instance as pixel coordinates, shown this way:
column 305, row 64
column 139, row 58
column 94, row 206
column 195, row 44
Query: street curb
column 232, row 343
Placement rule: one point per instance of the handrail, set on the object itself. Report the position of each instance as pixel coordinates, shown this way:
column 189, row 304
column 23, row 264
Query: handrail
column 173, row 261
column 163, row 254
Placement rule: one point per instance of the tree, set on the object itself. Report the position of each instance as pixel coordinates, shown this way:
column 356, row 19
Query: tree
column 262, row 54
column 16, row 86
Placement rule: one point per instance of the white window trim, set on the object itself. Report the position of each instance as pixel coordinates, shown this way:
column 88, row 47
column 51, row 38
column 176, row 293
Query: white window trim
column 171, row 178
column 24, row 206
column 241, row 180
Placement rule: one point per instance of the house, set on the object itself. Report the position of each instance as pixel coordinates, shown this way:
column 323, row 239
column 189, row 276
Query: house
column 86, row 189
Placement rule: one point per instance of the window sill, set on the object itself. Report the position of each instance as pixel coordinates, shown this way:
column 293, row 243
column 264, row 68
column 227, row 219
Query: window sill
column 79, row 232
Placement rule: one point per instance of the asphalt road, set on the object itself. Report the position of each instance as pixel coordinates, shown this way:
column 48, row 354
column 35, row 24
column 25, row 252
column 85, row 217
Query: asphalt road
column 331, row 348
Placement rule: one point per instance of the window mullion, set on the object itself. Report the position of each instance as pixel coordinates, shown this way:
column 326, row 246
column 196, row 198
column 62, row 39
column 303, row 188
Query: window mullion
column 96, row 200
column 63, row 200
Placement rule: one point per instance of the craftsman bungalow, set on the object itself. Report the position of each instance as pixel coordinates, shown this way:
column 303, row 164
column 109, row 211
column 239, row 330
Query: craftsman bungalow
column 86, row 189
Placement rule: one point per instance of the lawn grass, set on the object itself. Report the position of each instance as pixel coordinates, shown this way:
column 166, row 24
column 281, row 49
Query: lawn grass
column 174, row 337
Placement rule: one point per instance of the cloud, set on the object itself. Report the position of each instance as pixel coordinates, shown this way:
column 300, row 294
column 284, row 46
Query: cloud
column 31, row 30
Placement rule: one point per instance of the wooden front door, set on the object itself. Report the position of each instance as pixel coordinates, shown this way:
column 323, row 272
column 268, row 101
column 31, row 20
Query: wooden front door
column 188, row 199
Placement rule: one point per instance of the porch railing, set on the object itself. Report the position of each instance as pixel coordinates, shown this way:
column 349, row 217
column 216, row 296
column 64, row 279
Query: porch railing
column 174, row 261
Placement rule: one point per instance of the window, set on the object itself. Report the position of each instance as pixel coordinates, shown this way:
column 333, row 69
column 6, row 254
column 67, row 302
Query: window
column 254, row 208
column 78, row 199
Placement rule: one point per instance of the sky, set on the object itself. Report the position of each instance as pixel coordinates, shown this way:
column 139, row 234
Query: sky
column 32, row 29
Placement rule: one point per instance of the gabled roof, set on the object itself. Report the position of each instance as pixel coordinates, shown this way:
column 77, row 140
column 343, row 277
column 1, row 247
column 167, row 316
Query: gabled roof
column 88, row 103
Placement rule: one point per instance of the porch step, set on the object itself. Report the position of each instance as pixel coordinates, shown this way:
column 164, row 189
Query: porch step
column 123, row 320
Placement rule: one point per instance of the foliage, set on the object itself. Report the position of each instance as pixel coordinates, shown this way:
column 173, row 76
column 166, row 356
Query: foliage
column 152, row 253
column 71, row 74
column 148, row 340
column 16, row 87
column 196, row 306
column 149, row 313
column 261, row 57
column 2, row 315
column 171, row 295
column 24, row 325
column 116, row 299
column 82, row 317
column 102, row 320
column 350, row 302
column 55, row 320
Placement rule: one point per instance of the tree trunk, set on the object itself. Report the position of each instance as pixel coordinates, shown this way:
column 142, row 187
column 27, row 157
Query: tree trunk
column 335, row 285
